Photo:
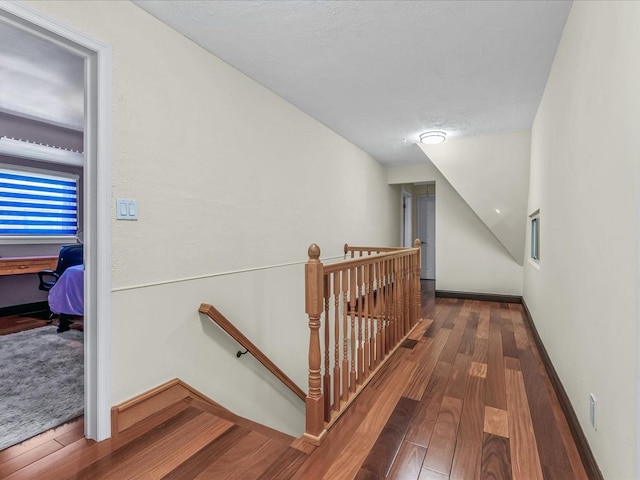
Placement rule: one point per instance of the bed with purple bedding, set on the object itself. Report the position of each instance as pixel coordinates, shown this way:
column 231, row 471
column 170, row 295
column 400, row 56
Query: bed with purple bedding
column 66, row 297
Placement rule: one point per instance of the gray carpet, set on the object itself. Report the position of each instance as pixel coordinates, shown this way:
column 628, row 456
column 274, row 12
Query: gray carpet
column 41, row 382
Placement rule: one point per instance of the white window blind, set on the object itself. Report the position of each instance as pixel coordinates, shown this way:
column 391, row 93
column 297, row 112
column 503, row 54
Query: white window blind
column 37, row 204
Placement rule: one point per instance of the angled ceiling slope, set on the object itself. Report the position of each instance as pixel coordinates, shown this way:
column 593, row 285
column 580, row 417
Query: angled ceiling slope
column 491, row 174
column 381, row 72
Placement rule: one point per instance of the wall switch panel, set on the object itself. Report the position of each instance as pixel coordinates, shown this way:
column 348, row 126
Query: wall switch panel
column 126, row 209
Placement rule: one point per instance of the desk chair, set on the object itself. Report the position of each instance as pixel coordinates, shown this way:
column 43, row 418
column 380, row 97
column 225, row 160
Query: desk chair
column 68, row 256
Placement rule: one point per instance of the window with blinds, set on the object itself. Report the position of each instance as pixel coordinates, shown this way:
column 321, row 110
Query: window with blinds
column 37, row 203
column 535, row 235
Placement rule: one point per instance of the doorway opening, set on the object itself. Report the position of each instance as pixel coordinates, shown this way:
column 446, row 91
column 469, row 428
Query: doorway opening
column 96, row 201
column 427, row 235
column 407, row 220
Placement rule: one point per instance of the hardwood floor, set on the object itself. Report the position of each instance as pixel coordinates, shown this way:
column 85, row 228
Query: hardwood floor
column 18, row 323
column 467, row 398
column 27, row 321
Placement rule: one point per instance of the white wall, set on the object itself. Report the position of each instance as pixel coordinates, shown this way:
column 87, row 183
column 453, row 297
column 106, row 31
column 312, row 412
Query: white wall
column 228, row 176
column 585, row 149
column 491, row 174
column 469, row 258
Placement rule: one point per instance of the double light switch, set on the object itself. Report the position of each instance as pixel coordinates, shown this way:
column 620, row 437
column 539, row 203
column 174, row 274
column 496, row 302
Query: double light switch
column 126, row 209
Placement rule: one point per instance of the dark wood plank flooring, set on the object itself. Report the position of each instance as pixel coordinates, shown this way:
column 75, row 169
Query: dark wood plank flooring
column 19, row 323
column 27, row 321
column 465, row 397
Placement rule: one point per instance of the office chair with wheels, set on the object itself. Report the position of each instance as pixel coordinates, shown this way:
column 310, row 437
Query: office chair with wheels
column 69, row 255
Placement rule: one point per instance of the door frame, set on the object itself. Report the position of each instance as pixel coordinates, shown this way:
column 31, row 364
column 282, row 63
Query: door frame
column 97, row 202
column 407, row 221
column 420, row 217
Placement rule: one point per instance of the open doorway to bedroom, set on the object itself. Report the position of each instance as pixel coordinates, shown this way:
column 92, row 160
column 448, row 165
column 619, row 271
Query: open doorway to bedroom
column 426, row 222
column 419, row 222
column 41, row 214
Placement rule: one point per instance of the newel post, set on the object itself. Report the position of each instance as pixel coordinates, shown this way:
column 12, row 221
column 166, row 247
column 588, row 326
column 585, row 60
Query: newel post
column 314, row 286
column 418, row 291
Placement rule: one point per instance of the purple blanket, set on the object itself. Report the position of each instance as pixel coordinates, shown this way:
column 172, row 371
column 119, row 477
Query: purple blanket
column 67, row 295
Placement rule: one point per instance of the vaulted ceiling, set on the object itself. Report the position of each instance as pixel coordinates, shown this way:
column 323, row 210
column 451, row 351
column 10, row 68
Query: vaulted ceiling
column 376, row 72
column 381, row 72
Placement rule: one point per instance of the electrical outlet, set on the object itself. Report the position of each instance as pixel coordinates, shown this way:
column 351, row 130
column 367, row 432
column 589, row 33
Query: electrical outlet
column 593, row 403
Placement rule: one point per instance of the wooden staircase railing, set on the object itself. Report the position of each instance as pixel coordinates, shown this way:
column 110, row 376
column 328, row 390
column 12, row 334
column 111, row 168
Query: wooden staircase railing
column 367, row 306
column 361, row 251
column 239, row 337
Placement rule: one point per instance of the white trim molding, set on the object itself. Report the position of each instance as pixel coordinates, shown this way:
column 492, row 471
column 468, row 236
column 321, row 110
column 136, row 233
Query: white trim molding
column 97, row 198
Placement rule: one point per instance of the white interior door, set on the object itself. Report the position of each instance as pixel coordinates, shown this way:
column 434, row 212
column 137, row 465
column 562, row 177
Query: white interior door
column 427, row 235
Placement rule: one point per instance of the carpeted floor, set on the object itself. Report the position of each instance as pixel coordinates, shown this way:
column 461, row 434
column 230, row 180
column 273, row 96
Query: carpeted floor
column 41, row 382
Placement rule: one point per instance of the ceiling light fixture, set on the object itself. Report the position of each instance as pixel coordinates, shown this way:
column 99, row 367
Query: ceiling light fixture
column 37, row 151
column 433, row 137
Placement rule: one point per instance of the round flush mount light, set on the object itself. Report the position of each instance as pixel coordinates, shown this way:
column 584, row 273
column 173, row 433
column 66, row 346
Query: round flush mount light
column 433, row 137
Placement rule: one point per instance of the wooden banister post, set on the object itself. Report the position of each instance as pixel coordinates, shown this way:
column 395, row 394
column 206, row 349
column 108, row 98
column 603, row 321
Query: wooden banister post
column 418, row 290
column 314, row 296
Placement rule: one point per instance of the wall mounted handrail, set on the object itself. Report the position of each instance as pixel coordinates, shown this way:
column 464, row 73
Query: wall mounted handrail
column 247, row 344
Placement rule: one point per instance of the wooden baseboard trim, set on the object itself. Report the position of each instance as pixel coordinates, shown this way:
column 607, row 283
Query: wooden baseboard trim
column 483, row 297
column 589, row 461
column 131, row 412
column 127, row 414
column 26, row 308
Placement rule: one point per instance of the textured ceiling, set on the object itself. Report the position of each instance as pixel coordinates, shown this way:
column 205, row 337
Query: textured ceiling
column 40, row 80
column 381, row 72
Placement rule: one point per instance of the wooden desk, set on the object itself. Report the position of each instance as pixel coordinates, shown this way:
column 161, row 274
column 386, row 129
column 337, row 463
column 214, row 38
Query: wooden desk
column 21, row 265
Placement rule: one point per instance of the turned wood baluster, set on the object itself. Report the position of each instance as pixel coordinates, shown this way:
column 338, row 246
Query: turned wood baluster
column 374, row 322
column 367, row 349
column 410, row 303
column 380, row 336
column 360, row 301
column 345, row 334
column 372, row 316
column 405, row 297
column 313, row 307
column 336, row 341
column 353, row 292
column 326, row 379
column 383, row 315
column 409, row 267
column 397, row 297
column 371, row 320
column 387, row 305
column 392, row 338
column 386, row 316
column 392, row 301
column 410, row 293
column 417, row 261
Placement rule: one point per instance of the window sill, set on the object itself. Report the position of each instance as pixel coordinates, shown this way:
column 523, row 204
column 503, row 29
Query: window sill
column 26, row 240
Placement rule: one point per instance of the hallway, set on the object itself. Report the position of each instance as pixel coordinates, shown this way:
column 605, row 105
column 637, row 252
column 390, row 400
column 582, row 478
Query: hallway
column 464, row 397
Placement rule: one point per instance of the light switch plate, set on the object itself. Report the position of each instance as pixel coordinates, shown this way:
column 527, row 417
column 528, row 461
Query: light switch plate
column 126, row 209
